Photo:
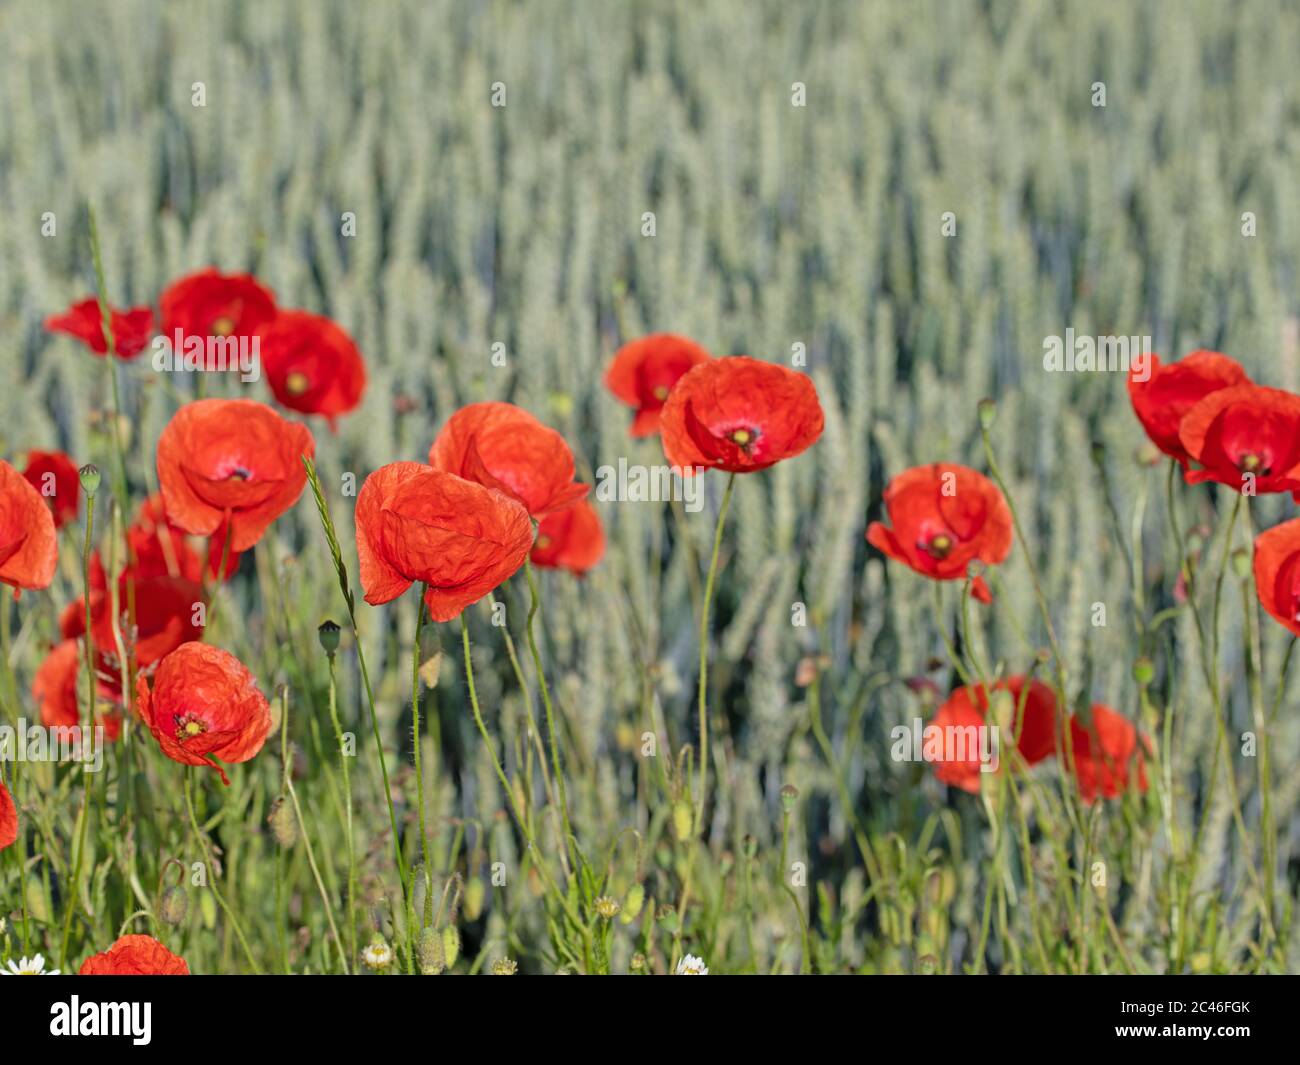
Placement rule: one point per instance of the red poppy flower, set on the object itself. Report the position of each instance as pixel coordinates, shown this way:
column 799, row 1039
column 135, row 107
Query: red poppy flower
column 644, row 371
column 135, row 956
column 312, row 365
column 8, row 818
column 1169, row 392
column 968, row 707
column 56, row 478
column 502, row 446
column 231, row 459
column 164, row 618
column 944, row 517
column 204, row 706
column 54, row 690
column 418, row 523
column 1277, row 572
column 572, row 539
column 157, row 548
column 28, row 544
column 208, row 303
column 132, row 328
column 1102, row 754
column 1245, row 430
column 740, row 415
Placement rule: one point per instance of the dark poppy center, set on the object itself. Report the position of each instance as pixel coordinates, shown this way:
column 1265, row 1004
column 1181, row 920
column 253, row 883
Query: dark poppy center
column 188, row 726
column 661, row 392
column 1252, row 463
column 940, row 546
column 296, row 383
column 743, row 437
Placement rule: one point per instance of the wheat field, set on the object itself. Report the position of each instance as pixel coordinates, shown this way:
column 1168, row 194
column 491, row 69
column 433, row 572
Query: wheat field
column 903, row 199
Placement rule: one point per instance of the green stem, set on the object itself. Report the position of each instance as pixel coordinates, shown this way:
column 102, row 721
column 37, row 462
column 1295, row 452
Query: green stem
column 87, row 730
column 704, row 651
column 558, row 770
column 419, row 762
column 302, row 826
column 347, row 798
column 331, row 538
column 212, row 871
column 511, row 798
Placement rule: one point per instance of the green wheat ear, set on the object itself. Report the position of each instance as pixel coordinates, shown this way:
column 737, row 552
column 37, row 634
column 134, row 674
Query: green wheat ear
column 331, row 537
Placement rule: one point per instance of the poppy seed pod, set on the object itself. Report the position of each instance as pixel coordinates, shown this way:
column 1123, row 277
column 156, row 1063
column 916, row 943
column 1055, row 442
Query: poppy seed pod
column 328, row 633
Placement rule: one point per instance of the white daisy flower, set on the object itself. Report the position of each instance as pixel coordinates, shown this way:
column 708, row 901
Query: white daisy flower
column 378, row 955
column 692, row 966
column 33, row 966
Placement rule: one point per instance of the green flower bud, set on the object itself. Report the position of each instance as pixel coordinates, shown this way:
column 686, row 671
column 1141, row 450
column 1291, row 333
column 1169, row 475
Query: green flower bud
column 789, row 797
column 284, row 827
column 632, row 903
column 451, row 944
column 474, row 895
column 1143, row 672
column 1241, row 562
column 683, row 820
column 433, row 958
column 988, row 412
column 175, row 905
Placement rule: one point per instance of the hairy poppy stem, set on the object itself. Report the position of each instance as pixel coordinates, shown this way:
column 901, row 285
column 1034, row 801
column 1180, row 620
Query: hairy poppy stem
column 287, row 781
column 529, row 713
column 212, row 871
column 331, row 538
column 704, row 651
column 511, row 798
column 535, row 601
column 419, row 763
column 86, row 732
column 347, row 800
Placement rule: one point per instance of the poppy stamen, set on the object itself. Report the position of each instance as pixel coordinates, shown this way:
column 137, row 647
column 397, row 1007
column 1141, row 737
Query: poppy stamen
column 661, row 392
column 940, row 546
column 223, row 326
column 296, row 383
column 1251, row 463
column 188, row 726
